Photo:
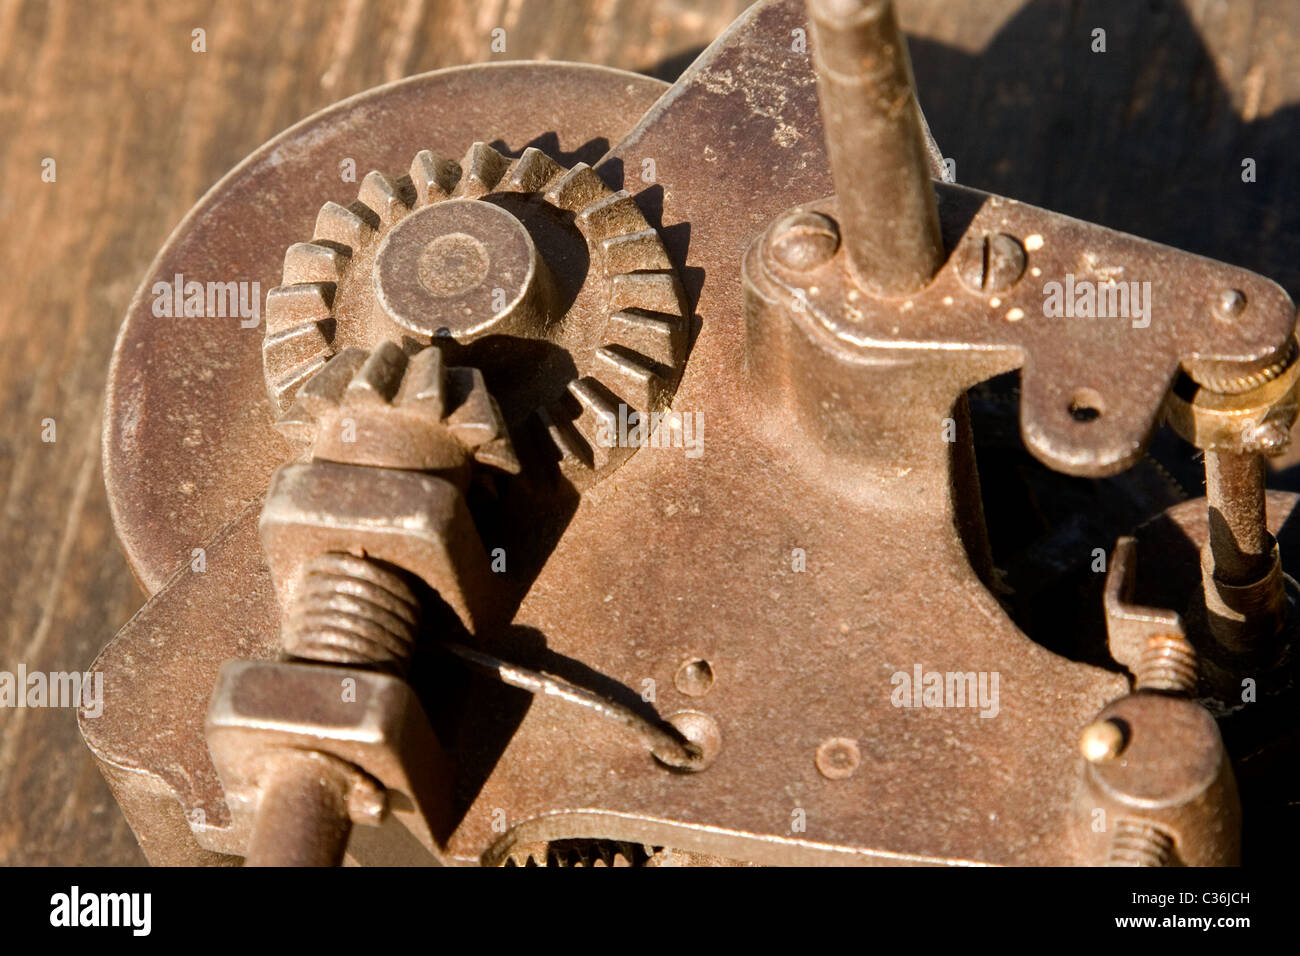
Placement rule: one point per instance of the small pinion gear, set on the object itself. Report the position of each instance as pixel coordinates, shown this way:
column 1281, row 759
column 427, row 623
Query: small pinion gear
column 389, row 411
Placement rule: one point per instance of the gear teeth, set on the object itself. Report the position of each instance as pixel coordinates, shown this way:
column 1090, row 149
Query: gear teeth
column 290, row 306
column 298, row 427
column 597, row 423
column 634, row 250
column 348, row 226
column 526, row 854
column 386, row 376
column 564, row 436
column 292, row 347
column 473, row 416
column 614, row 215
column 433, row 177
column 531, row 172
column 284, row 385
column 423, row 386
column 289, row 357
column 320, row 393
column 629, row 366
column 295, row 343
column 651, row 291
column 630, row 376
column 483, row 168
column 325, row 389
column 660, row 338
column 390, row 200
column 312, row 262
column 576, row 189
column 377, row 380
column 499, row 453
column 576, row 853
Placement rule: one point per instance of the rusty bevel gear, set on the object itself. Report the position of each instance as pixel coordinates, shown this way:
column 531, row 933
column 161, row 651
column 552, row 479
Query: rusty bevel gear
column 551, row 282
column 391, row 410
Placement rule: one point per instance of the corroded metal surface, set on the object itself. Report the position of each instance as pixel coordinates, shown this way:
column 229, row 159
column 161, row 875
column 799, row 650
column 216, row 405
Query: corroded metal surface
column 187, row 428
column 805, row 531
column 541, row 276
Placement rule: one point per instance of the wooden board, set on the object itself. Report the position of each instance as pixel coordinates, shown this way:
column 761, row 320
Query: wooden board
column 1148, row 137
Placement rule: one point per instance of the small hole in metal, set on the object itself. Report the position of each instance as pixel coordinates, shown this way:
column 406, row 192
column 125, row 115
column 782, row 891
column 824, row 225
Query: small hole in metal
column 694, row 678
column 1086, row 406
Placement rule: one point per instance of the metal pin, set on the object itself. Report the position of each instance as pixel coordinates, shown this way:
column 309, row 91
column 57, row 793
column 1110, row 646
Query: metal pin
column 876, row 144
column 1244, row 588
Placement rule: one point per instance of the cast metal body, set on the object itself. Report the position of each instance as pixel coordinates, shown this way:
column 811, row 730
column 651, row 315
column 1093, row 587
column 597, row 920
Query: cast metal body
column 554, row 518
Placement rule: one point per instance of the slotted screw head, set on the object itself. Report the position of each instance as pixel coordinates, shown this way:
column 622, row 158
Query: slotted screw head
column 991, row 263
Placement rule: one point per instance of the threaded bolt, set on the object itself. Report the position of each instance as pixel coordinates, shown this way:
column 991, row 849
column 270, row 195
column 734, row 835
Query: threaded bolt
column 1135, row 843
column 1168, row 663
column 352, row 611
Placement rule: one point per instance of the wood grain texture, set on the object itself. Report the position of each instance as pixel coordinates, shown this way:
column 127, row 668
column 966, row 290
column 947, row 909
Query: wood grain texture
column 1147, row 137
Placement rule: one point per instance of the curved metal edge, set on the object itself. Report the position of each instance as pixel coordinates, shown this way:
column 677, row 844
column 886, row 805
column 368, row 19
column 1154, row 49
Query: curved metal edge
column 152, row 578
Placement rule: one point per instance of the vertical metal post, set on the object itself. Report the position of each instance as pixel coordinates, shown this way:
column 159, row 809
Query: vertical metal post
column 1244, row 589
column 876, row 143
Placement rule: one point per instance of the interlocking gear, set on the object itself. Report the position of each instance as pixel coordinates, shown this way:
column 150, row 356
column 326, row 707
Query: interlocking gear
column 393, row 411
column 551, row 282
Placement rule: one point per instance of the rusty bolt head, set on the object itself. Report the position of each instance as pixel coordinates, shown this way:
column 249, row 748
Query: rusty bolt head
column 1103, row 740
column 1229, row 304
column 838, row 757
column 804, row 241
column 991, row 263
column 414, row 521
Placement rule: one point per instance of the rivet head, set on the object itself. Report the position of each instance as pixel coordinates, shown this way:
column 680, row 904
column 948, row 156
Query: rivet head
column 702, row 732
column 804, row 241
column 1230, row 303
column 838, row 757
column 1102, row 741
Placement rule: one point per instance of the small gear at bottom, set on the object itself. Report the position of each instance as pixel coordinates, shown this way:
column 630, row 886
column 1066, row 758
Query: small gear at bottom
column 391, row 410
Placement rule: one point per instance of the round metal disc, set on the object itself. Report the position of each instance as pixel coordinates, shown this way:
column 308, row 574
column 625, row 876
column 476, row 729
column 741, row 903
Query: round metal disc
column 188, row 436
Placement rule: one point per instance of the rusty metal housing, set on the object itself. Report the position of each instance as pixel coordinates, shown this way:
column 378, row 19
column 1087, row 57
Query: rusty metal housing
column 555, row 517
